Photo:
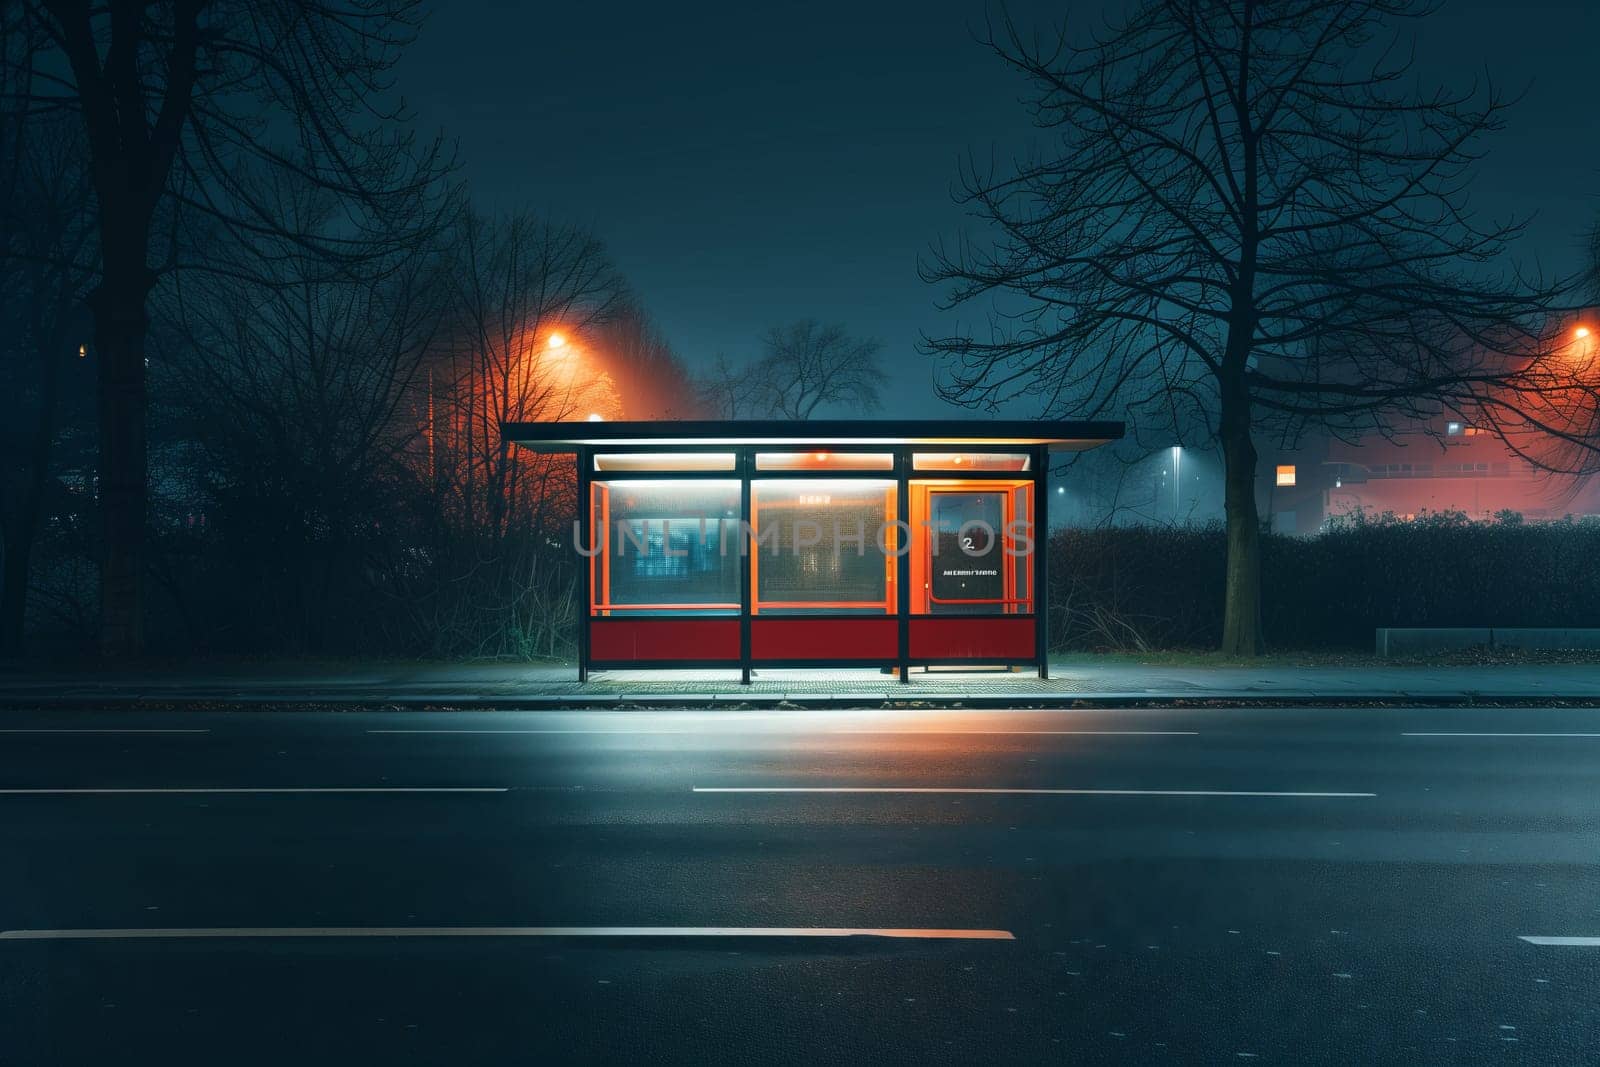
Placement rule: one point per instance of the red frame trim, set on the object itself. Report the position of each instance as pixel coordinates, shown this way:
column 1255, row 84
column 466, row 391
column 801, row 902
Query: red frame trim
column 775, row 638
column 953, row 638
column 665, row 639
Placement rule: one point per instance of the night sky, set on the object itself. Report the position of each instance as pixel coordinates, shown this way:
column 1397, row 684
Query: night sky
column 754, row 163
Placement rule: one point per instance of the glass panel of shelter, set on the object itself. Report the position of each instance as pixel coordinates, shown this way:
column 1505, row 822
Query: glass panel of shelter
column 667, row 547
column 823, row 546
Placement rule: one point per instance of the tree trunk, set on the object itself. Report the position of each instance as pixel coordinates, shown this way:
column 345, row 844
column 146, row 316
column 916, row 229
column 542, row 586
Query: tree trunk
column 130, row 157
column 14, row 602
column 120, row 326
column 25, row 525
column 1241, row 617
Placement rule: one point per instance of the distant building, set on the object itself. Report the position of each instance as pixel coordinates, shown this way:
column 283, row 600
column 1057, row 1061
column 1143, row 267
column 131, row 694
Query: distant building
column 1462, row 469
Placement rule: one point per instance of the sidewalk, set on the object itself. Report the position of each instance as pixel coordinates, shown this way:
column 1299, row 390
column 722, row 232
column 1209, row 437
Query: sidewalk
column 1072, row 682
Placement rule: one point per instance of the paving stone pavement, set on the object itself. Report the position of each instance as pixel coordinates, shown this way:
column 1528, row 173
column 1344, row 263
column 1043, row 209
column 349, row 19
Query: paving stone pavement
column 550, row 684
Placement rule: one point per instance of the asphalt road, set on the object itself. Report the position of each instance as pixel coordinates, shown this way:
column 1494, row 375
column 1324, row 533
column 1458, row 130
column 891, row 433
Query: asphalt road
column 1142, row 886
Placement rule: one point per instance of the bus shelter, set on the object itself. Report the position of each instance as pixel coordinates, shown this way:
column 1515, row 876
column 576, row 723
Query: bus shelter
column 745, row 544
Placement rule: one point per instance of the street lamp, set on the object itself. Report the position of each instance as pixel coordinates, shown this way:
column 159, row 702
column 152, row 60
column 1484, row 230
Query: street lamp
column 1177, row 490
column 1581, row 349
column 557, row 340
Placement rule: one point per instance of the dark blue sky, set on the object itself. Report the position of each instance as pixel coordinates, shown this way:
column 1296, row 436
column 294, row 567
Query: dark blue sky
column 754, row 163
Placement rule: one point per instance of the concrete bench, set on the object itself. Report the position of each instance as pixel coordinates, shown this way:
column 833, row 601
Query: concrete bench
column 1402, row 641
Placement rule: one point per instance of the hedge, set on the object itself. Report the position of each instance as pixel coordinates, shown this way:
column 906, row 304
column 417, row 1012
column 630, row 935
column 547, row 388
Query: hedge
column 1135, row 588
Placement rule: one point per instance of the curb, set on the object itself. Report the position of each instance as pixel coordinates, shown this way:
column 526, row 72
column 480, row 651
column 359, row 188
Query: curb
column 314, row 701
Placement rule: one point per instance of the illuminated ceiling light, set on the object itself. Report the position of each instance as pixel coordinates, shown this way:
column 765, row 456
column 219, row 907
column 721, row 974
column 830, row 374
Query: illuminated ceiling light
column 557, row 340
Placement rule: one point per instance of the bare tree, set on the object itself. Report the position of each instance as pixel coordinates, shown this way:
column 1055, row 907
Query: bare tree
column 287, row 382
column 175, row 100
column 804, row 366
column 527, row 292
column 46, row 265
column 1550, row 415
column 1244, row 221
column 527, row 340
column 1592, row 269
column 730, row 391
column 650, row 378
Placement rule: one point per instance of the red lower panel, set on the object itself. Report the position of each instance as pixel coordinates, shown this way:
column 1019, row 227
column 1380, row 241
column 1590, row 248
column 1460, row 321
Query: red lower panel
column 958, row 639
column 818, row 639
column 664, row 640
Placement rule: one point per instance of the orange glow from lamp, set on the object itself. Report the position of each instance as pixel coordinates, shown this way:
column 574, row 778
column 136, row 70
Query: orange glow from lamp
column 1581, row 332
column 557, row 340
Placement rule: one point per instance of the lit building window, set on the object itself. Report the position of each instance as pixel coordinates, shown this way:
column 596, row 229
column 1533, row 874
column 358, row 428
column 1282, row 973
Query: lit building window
column 1453, row 429
column 1286, row 474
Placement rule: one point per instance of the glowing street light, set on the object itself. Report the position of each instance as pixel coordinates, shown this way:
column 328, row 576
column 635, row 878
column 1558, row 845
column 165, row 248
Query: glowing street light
column 1177, row 487
column 1581, row 349
column 557, row 340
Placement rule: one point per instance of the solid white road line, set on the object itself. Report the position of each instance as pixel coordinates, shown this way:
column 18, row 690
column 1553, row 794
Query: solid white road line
column 1573, row 942
column 505, row 931
column 1051, row 733
column 1022, row 792
column 619, row 733
column 1495, row 735
column 829, row 730
column 97, row 730
column 265, row 789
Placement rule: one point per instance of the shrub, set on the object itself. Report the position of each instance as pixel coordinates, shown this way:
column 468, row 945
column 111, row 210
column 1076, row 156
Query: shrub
column 1142, row 587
